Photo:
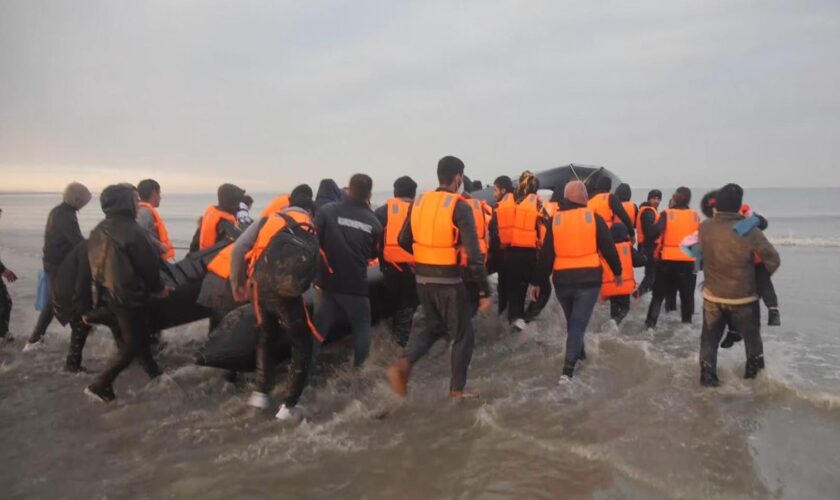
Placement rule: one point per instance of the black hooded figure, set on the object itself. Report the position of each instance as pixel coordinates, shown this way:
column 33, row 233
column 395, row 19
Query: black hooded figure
column 125, row 271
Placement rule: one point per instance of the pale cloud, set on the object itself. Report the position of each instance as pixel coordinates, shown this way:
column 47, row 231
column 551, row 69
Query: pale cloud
column 271, row 94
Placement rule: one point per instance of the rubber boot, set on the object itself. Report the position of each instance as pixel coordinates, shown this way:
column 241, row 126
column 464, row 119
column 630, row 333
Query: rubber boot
column 708, row 378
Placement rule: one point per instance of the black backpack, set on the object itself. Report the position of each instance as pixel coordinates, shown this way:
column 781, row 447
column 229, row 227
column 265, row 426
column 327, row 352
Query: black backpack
column 286, row 267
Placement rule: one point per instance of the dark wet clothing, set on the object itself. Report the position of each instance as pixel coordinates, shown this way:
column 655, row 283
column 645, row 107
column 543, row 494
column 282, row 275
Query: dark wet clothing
column 400, row 287
column 331, row 306
column 577, row 304
column 70, row 287
column 350, row 236
column 577, row 278
column 122, row 260
column 5, row 306
column 670, row 276
column 287, row 317
column 448, row 315
column 744, row 318
column 328, row 192
column 133, row 328
column 61, row 235
column 520, row 264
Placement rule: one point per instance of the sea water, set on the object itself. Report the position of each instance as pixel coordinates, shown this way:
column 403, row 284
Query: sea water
column 633, row 423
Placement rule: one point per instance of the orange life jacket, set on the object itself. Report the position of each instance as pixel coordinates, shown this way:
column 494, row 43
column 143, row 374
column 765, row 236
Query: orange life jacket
column 550, row 209
column 525, row 223
column 631, row 210
column 220, row 265
column 482, row 214
column 680, row 222
column 575, row 239
column 276, row 205
column 435, row 234
column 163, row 234
column 608, row 287
column 640, row 234
column 600, row 204
column 506, row 219
column 397, row 212
column 273, row 225
column 209, row 224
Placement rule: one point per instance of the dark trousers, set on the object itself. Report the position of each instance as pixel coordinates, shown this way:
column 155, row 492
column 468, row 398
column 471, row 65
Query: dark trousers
column 764, row 286
column 577, row 305
column 673, row 275
column 447, row 310
column 329, row 306
column 5, row 308
column 133, row 326
column 519, row 267
column 78, row 337
column 401, row 289
column 745, row 318
column 44, row 320
column 286, row 315
column 650, row 269
column 619, row 307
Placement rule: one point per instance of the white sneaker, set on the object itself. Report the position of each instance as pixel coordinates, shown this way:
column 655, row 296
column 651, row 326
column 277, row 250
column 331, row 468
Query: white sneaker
column 285, row 414
column 33, row 346
column 259, row 400
column 520, row 325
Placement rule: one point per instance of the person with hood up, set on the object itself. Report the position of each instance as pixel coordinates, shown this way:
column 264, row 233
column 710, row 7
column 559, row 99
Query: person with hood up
column 150, row 220
column 398, row 265
column 329, row 192
column 219, row 221
column 675, row 269
column 61, row 235
column 576, row 241
column 625, row 195
column 125, row 270
column 439, row 227
column 647, row 236
column 5, row 301
column 619, row 296
column 349, row 235
column 608, row 206
column 275, row 311
column 521, row 254
column 729, row 289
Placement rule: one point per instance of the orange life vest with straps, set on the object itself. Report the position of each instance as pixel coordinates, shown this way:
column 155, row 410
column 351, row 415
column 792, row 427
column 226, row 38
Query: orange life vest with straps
column 640, row 234
column 575, row 239
column 276, row 205
column 393, row 253
column 163, row 234
column 220, row 265
column 209, row 224
column 631, row 210
column 679, row 223
column 482, row 214
column 608, row 287
column 600, row 204
column 273, row 225
column 434, row 231
column 525, row 232
column 506, row 219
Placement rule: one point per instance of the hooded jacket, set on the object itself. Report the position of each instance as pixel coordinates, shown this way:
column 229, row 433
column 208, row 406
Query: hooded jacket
column 328, row 192
column 350, row 236
column 62, row 232
column 728, row 265
column 577, row 278
column 70, row 286
column 122, row 260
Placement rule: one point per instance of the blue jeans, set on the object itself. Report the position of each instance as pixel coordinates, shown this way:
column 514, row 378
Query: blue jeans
column 577, row 304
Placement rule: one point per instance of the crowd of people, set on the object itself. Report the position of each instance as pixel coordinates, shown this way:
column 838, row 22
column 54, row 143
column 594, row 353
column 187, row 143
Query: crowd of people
column 435, row 250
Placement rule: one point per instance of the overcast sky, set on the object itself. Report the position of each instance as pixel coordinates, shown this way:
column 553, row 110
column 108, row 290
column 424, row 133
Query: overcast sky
column 270, row 94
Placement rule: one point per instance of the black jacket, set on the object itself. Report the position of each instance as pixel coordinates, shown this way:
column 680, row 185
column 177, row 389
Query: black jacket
column 328, row 192
column 577, row 278
column 350, row 236
column 61, row 235
column 70, row 286
column 649, row 227
column 122, row 260
column 476, row 272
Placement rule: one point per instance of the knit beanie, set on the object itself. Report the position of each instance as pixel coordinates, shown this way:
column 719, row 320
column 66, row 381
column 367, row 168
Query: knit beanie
column 575, row 192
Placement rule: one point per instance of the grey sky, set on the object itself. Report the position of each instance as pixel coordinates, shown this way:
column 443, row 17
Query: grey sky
column 269, row 94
